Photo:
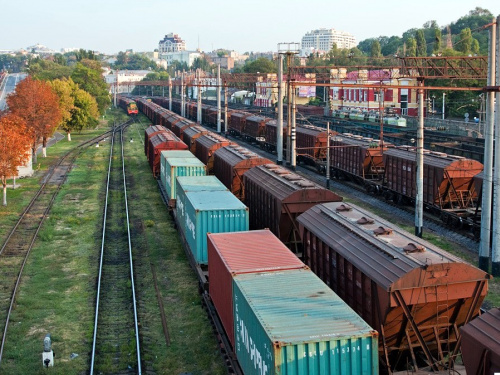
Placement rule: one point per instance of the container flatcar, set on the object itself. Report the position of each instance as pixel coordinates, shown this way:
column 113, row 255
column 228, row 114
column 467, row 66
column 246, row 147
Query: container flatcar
column 415, row 294
column 182, row 166
column 275, row 197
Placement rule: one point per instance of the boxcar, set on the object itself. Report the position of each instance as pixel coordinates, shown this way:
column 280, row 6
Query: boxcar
column 161, row 142
column 206, row 145
column 180, row 127
column 238, row 122
column 275, row 197
column 150, row 132
column 237, row 253
column 291, row 323
column 356, row 158
column 170, row 119
column 231, row 162
column 311, row 144
column 271, row 135
column 448, row 181
column 191, row 134
column 415, row 294
column 255, row 127
column 481, row 344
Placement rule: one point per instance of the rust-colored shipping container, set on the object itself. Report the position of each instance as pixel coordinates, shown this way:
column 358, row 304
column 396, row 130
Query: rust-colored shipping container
column 271, row 135
column 150, row 132
column 238, row 122
column 413, row 293
column 275, row 197
column 357, row 158
column 237, row 253
column 206, row 145
column 191, row 134
column 161, row 142
column 180, row 126
column 481, row 344
column 448, row 181
column 312, row 143
column 231, row 162
column 255, row 128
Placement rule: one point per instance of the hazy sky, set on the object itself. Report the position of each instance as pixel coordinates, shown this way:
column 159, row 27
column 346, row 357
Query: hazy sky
column 111, row 26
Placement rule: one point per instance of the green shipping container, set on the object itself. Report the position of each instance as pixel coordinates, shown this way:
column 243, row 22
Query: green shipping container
column 175, row 167
column 291, row 323
column 164, row 155
column 211, row 212
column 197, row 183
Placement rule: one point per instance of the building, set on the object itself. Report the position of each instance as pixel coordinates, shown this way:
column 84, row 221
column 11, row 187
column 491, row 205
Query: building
column 266, row 89
column 225, row 62
column 400, row 101
column 171, row 43
column 323, row 40
column 182, row 56
column 126, row 79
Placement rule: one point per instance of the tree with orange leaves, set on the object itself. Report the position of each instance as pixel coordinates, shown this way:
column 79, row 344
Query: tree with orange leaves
column 14, row 148
column 38, row 105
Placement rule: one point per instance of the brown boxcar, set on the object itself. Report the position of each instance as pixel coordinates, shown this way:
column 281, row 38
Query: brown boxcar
column 231, row 162
column 237, row 123
column 170, row 119
column 311, row 143
column 356, row 158
column 413, row 293
column 271, row 135
column 206, row 145
column 210, row 115
column 255, row 128
column 275, row 197
column 161, row 142
column 180, row 126
column 191, row 134
column 481, row 344
column 150, row 132
column 448, row 181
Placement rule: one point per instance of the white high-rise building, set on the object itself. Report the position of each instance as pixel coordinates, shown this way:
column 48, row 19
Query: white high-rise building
column 323, row 39
column 171, row 43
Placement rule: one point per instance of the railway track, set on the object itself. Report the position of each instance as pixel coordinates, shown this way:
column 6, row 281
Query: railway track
column 16, row 249
column 116, row 344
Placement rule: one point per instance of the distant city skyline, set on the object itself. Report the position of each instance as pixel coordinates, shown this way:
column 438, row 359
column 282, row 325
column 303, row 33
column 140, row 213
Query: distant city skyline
column 113, row 26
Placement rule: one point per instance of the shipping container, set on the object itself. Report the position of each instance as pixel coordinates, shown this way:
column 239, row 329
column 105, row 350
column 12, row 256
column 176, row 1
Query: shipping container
column 236, row 253
column 211, row 212
column 231, row 162
column 174, row 167
column 162, row 142
column 275, row 197
column 290, row 322
column 414, row 293
column 481, row 344
column 191, row 134
column 206, row 145
column 193, row 183
column 150, row 132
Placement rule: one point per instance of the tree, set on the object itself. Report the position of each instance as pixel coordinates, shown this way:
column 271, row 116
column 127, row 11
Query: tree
column 38, row 105
column 421, row 43
column 201, row 63
column 464, row 43
column 261, row 65
column 87, row 74
column 436, row 48
column 14, row 148
column 63, row 90
column 475, row 47
column 375, row 49
column 411, row 47
column 48, row 70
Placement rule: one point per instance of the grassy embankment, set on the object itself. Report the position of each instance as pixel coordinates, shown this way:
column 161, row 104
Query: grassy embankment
column 58, row 290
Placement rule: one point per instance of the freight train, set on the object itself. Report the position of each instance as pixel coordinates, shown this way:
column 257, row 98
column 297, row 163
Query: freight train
column 129, row 105
column 406, row 288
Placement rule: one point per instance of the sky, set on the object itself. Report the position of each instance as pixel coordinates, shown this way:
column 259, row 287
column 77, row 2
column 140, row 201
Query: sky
column 110, row 26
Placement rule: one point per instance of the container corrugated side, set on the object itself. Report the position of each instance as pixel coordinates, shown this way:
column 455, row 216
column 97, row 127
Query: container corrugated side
column 193, row 183
column 164, row 155
column 291, row 323
column 242, row 252
column 181, row 167
column 211, row 212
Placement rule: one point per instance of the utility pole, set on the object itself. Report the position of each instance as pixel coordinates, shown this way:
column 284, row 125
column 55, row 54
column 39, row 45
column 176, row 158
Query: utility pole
column 182, row 94
column 381, row 114
column 288, row 109
column 169, row 93
column 293, row 151
column 419, row 202
column 495, row 248
column 279, row 125
column 225, row 108
column 116, row 87
column 198, row 98
column 444, row 94
column 328, row 155
column 218, row 100
column 484, row 244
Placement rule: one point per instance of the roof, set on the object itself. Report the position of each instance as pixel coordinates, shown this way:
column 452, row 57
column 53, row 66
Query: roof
column 214, row 200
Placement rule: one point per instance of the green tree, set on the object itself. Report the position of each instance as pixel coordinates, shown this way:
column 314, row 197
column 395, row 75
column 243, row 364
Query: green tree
column 91, row 80
column 201, row 63
column 152, row 77
column 63, row 89
column 475, row 48
column 47, row 70
column 375, row 49
column 261, row 65
column 421, row 43
column 391, row 46
column 464, row 43
column 134, row 61
column 436, row 47
column 85, row 112
column 411, row 47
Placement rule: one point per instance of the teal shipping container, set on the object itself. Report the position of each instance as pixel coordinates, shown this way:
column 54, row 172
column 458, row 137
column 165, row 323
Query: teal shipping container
column 211, row 212
column 291, row 323
column 196, row 183
column 164, row 155
column 175, row 167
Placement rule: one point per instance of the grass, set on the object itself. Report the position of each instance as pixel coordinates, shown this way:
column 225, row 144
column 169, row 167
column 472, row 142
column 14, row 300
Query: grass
column 57, row 294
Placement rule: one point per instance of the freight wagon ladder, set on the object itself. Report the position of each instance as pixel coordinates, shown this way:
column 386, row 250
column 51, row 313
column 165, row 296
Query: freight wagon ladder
column 442, row 327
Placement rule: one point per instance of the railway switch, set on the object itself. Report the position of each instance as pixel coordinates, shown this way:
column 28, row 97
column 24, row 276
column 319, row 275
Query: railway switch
column 48, row 354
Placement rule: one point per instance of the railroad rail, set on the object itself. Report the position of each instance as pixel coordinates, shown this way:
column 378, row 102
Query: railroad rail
column 115, row 320
column 16, row 249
